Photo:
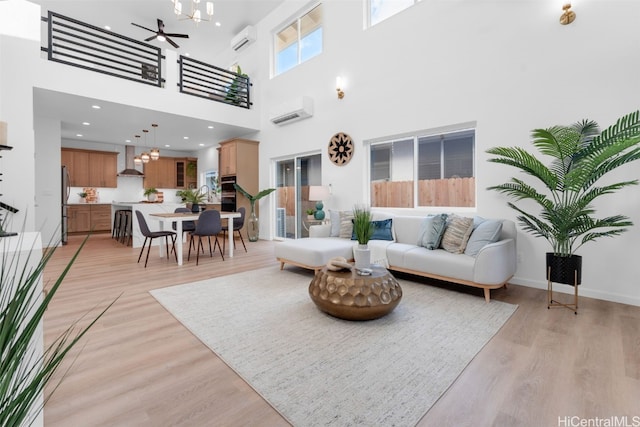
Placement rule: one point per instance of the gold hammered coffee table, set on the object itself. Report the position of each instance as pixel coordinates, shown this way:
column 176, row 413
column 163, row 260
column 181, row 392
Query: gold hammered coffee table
column 347, row 295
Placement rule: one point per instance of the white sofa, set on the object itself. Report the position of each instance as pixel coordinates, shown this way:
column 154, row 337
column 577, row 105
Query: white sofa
column 491, row 268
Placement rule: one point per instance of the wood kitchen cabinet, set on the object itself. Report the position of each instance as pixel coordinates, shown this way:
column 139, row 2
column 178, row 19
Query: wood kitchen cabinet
column 239, row 157
column 79, row 219
column 171, row 172
column 88, row 168
column 84, row 218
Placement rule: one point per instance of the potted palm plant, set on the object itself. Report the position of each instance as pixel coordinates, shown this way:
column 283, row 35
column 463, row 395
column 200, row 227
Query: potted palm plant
column 579, row 156
column 253, row 225
column 363, row 230
column 192, row 198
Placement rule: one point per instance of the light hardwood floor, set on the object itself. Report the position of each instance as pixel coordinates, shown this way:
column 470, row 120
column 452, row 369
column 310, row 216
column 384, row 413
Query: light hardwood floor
column 139, row 366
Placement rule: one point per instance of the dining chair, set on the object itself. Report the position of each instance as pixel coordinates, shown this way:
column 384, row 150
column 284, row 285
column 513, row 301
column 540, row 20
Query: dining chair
column 238, row 223
column 150, row 235
column 187, row 226
column 209, row 225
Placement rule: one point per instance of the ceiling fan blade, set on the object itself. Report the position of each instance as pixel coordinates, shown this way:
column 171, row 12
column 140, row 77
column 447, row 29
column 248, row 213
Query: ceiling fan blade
column 160, row 25
column 148, row 29
column 150, row 38
column 172, row 43
column 183, row 36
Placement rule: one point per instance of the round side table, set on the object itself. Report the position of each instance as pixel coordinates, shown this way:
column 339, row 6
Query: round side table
column 347, row 295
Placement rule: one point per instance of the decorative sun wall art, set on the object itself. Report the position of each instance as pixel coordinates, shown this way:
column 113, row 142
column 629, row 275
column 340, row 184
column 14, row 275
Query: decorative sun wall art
column 340, row 149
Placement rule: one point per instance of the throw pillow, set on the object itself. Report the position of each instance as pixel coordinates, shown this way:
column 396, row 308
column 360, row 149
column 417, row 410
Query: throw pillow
column 457, row 233
column 431, row 231
column 346, row 226
column 381, row 230
column 487, row 231
column 334, row 217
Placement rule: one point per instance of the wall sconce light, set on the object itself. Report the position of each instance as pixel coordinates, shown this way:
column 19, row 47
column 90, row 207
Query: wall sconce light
column 568, row 16
column 339, row 87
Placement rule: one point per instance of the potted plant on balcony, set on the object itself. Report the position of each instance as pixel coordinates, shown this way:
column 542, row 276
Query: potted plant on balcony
column 363, row 230
column 579, row 156
column 151, row 194
column 253, row 225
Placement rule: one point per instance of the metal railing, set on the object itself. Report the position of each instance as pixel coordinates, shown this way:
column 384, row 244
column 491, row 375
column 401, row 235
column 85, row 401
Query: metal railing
column 86, row 46
column 217, row 84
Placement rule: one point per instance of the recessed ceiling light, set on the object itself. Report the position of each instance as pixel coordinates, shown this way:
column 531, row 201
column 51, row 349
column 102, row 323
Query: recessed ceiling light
column 106, row 27
column 167, row 145
column 127, row 140
column 96, row 107
column 201, row 145
column 186, row 54
column 78, row 134
column 218, row 24
column 185, row 137
column 86, row 123
column 210, row 126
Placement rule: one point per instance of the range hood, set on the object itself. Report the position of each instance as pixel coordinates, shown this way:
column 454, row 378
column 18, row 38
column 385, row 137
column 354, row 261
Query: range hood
column 130, row 169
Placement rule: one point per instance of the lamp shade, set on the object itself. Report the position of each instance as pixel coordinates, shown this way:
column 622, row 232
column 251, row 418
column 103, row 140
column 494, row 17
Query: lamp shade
column 318, row 192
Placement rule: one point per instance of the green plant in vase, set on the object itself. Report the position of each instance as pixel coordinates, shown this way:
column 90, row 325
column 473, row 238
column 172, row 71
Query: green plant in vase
column 253, row 225
column 363, row 230
column 151, row 194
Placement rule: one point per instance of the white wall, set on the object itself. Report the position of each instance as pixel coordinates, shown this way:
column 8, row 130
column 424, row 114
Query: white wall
column 509, row 66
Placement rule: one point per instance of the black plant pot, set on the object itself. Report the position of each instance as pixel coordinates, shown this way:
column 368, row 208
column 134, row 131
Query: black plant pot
column 563, row 269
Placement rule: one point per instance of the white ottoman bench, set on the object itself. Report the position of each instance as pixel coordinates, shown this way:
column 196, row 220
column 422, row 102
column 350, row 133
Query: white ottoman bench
column 313, row 252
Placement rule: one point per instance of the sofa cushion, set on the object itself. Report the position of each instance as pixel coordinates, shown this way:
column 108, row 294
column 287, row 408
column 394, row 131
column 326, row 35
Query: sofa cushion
column 457, row 233
column 381, row 230
column 438, row 262
column 485, row 231
column 431, row 231
column 313, row 251
column 346, row 226
column 334, row 218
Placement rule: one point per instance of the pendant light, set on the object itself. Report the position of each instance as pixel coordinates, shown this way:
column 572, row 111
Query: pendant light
column 155, row 152
column 137, row 160
column 145, row 156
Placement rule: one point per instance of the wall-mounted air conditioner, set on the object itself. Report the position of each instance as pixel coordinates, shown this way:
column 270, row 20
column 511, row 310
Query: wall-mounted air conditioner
column 243, row 38
column 296, row 109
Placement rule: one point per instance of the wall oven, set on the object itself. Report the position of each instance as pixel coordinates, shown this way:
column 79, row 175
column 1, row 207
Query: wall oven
column 227, row 194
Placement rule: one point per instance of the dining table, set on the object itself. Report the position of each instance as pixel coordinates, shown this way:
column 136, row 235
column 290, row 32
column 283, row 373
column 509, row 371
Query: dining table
column 179, row 217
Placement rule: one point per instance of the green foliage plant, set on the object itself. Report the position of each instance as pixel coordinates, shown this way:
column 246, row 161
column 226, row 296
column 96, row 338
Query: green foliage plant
column 253, row 199
column 24, row 369
column 567, row 186
column 150, row 190
column 362, row 225
column 192, row 196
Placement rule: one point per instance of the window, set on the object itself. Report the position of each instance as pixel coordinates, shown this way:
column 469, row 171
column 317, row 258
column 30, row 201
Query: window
column 298, row 41
column 379, row 10
column 432, row 168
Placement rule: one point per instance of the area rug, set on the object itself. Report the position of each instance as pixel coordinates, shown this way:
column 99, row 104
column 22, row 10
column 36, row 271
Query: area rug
column 317, row 370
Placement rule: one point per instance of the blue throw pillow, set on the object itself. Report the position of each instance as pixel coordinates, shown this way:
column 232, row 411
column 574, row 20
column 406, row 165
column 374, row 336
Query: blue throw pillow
column 485, row 232
column 431, row 231
column 381, row 230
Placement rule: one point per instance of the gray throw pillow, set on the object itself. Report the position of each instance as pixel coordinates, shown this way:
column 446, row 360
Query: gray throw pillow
column 431, row 231
column 485, row 232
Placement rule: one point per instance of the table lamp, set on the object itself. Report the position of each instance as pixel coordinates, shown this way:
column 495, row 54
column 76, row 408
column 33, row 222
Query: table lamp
column 318, row 193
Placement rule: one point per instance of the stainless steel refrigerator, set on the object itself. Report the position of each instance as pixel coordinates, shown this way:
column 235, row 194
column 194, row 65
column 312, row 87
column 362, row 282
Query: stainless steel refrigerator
column 64, row 193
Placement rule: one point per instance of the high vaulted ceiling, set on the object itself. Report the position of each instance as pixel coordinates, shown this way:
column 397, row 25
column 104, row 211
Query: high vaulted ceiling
column 206, row 40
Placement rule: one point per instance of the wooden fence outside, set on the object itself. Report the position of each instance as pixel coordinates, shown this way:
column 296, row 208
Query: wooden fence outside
column 458, row 192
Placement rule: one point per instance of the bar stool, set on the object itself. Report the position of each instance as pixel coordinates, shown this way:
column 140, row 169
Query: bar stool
column 117, row 221
column 125, row 228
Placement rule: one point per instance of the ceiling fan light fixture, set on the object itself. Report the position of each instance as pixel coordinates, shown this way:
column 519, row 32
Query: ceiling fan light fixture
column 210, row 8
column 177, row 8
column 196, row 16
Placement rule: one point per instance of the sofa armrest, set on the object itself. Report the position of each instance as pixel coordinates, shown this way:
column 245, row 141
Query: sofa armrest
column 320, row 230
column 495, row 263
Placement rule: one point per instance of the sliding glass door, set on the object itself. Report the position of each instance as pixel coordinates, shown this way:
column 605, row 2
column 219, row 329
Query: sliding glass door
column 293, row 177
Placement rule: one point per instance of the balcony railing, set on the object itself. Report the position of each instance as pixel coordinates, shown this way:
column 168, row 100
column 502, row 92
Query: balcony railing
column 86, row 46
column 208, row 81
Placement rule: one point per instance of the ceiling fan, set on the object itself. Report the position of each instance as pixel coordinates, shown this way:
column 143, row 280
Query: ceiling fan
column 161, row 35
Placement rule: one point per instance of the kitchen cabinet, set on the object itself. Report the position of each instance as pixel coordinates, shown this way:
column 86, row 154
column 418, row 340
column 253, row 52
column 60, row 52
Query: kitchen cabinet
column 171, row 172
column 239, row 157
column 84, row 218
column 88, row 168
column 79, row 218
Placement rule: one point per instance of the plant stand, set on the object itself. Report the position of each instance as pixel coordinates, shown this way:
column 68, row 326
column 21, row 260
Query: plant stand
column 553, row 303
